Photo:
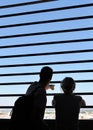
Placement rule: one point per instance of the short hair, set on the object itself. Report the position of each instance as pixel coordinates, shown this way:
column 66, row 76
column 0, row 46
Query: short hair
column 46, row 73
column 67, row 83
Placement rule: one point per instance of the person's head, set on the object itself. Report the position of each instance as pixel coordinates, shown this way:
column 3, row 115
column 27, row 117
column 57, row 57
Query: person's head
column 46, row 75
column 68, row 85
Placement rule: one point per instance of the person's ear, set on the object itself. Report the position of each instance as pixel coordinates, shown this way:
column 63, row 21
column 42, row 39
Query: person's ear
column 63, row 89
column 73, row 87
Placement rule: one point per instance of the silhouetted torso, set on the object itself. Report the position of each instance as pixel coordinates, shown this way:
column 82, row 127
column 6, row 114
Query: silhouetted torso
column 67, row 111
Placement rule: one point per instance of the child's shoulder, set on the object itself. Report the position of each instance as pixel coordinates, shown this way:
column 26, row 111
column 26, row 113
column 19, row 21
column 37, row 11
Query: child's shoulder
column 81, row 100
column 78, row 97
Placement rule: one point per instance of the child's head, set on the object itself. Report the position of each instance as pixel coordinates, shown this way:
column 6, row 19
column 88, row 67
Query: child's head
column 68, row 85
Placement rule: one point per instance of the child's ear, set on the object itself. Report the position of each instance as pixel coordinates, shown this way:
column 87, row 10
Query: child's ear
column 73, row 88
column 63, row 89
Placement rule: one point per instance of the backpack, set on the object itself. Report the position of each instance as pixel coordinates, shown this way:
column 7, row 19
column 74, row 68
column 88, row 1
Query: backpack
column 21, row 112
column 24, row 114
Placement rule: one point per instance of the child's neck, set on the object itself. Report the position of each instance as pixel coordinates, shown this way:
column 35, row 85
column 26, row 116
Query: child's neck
column 68, row 93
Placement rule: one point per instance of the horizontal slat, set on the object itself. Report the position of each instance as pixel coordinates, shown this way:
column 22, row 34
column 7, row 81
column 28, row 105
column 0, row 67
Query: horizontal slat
column 81, row 93
column 47, row 63
column 23, row 83
column 47, row 43
column 11, row 95
column 47, row 21
column 48, row 94
column 48, row 10
column 81, row 106
column 8, row 107
column 24, row 4
column 55, row 72
column 47, row 53
column 46, row 33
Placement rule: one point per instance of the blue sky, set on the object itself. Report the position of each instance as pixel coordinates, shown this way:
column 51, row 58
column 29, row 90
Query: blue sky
column 87, row 11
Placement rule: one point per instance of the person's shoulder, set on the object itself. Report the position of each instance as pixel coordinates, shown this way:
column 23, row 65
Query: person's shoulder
column 81, row 100
column 34, row 84
column 78, row 97
column 32, row 87
column 42, row 90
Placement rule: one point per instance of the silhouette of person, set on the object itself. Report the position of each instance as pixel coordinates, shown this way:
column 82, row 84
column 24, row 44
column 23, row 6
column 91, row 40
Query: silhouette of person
column 28, row 110
column 40, row 99
column 67, row 106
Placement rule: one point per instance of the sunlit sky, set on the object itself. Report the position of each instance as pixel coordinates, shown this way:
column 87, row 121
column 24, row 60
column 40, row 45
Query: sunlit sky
column 19, row 89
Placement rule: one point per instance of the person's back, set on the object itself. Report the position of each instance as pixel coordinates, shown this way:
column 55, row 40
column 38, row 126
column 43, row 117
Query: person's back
column 67, row 107
column 67, row 111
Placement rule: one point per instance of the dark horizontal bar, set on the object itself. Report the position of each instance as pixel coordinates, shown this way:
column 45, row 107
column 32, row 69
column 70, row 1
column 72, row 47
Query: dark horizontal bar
column 73, row 71
column 11, row 95
column 24, row 83
column 48, row 94
column 47, row 43
column 55, row 72
column 81, row 106
column 47, row 10
column 47, row 63
column 25, row 4
column 47, row 21
column 8, row 107
column 83, row 93
column 46, row 33
column 47, row 53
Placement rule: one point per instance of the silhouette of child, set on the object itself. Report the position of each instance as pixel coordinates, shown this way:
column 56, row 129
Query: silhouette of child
column 67, row 106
